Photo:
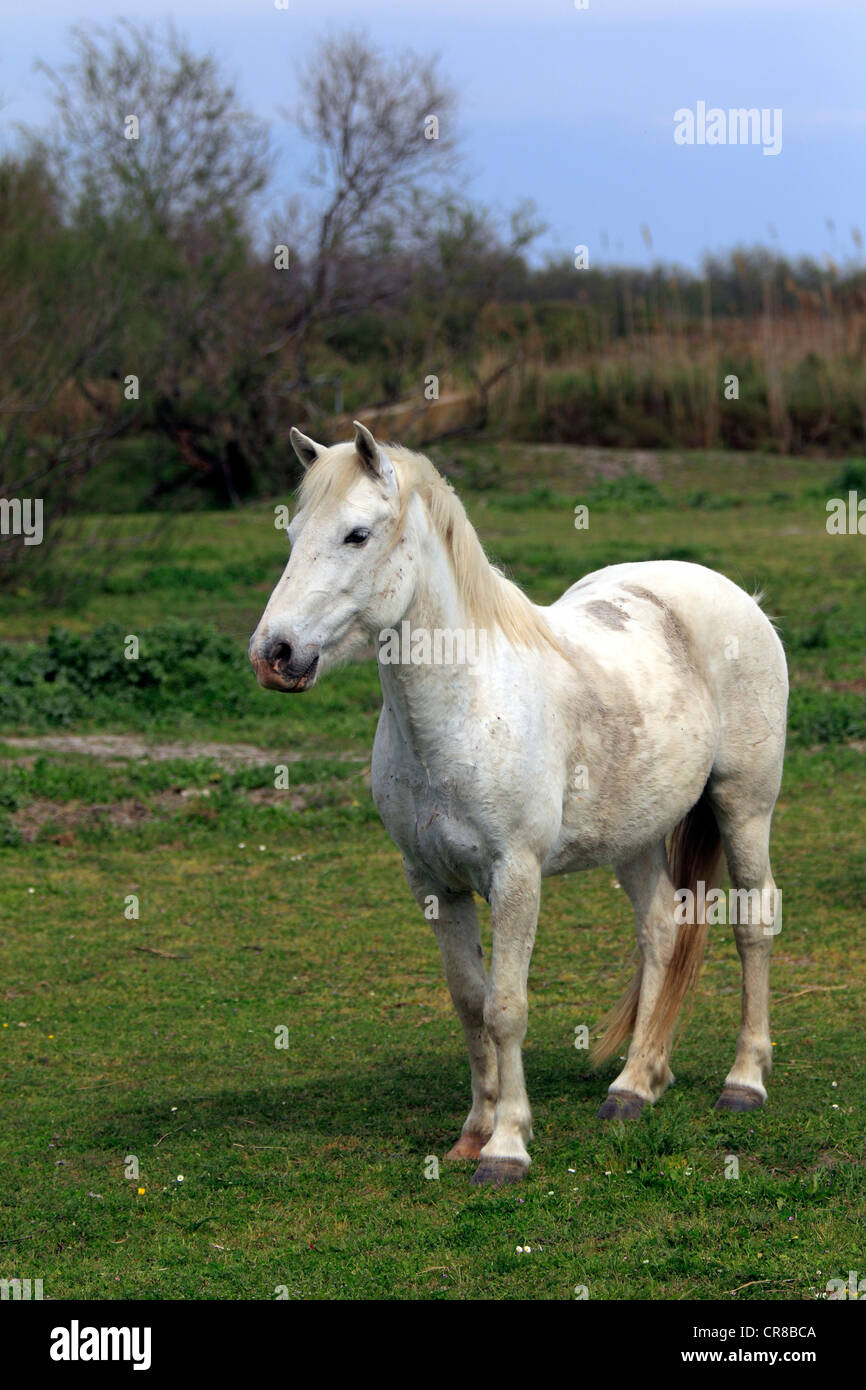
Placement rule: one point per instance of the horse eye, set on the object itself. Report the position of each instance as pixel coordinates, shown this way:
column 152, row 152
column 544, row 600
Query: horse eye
column 357, row 537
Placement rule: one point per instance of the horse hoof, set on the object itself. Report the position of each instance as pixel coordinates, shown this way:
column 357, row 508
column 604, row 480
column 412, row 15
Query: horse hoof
column 468, row 1146
column 499, row 1171
column 622, row 1105
column 739, row 1098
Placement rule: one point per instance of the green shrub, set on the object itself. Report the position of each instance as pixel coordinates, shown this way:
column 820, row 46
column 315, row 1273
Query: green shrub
column 825, row 716
column 71, row 677
column 852, row 477
column 628, row 492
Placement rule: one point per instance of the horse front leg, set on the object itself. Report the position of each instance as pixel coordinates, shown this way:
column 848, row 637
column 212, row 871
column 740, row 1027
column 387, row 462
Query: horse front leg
column 514, row 901
column 455, row 924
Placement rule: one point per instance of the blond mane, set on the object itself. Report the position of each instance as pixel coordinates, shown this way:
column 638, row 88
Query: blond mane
column 489, row 599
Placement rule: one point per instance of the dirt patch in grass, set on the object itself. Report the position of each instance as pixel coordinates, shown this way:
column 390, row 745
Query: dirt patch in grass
column 65, row 817
column 125, row 748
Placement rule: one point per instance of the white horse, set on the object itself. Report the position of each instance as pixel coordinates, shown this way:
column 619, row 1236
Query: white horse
column 649, row 700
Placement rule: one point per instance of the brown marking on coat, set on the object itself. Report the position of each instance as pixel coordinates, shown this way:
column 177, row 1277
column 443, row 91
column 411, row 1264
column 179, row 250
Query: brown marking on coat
column 674, row 633
column 607, row 613
column 607, row 720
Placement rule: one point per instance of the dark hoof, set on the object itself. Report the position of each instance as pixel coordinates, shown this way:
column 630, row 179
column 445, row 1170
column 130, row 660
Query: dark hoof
column 499, row 1171
column 739, row 1098
column 622, row 1105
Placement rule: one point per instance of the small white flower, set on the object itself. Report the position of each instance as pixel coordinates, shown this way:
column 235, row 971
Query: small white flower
column 834, row 1084
column 261, row 847
column 241, row 844
column 180, row 1177
column 572, row 1170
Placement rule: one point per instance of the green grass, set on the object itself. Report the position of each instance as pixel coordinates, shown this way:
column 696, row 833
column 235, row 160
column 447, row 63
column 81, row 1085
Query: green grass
column 304, row 1167
column 307, row 1165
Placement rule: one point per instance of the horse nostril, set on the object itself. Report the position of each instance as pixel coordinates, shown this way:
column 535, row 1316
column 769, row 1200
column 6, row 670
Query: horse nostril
column 280, row 652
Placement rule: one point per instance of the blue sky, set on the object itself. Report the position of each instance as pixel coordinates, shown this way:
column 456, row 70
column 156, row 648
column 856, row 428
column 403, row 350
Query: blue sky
column 572, row 108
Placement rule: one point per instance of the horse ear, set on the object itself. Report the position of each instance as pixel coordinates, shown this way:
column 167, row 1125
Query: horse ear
column 374, row 459
column 306, row 449
column 368, row 449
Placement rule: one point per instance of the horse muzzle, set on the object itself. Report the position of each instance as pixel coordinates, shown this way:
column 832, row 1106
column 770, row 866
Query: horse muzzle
column 278, row 667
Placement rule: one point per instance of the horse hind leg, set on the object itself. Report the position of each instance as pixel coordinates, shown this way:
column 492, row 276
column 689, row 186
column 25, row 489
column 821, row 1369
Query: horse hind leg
column 671, row 955
column 647, row 1072
column 756, row 917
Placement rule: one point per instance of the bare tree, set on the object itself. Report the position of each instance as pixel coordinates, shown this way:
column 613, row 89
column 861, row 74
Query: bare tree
column 146, row 129
column 384, row 132
column 159, row 166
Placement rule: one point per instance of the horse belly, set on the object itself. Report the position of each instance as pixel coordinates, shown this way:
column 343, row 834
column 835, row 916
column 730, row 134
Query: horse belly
column 616, row 806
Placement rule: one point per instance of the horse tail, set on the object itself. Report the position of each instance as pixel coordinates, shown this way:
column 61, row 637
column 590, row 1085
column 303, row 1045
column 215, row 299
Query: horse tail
column 619, row 1022
column 695, row 854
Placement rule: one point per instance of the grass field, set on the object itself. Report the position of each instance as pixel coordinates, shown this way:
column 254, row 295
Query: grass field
column 302, row 1168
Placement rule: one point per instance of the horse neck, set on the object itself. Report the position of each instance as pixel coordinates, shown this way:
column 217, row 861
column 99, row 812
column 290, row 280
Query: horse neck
column 421, row 696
